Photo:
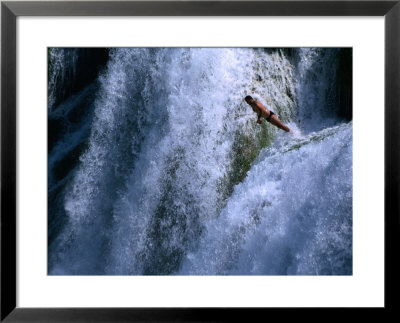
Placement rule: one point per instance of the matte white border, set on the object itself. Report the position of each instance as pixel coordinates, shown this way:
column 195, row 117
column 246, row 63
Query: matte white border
column 364, row 288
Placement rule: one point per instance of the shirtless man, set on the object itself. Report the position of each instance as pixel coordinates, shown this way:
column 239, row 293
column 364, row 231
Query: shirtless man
column 265, row 113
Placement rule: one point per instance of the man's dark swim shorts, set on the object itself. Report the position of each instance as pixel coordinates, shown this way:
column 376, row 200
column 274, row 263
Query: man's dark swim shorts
column 270, row 115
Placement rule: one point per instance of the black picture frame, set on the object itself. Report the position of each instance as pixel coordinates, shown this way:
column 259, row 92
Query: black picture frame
column 10, row 10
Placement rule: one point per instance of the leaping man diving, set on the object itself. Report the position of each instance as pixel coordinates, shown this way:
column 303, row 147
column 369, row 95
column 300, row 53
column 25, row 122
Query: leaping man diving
column 263, row 112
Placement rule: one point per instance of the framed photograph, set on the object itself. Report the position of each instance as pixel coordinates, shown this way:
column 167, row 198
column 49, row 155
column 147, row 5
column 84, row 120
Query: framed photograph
column 192, row 160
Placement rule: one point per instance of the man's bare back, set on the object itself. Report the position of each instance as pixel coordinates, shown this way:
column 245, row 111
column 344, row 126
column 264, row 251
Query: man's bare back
column 263, row 112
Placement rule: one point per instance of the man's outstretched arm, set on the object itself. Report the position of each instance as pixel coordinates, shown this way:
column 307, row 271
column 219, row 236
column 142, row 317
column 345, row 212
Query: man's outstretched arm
column 259, row 114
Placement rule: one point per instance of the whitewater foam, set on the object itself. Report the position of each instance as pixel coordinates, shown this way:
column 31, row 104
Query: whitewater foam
column 178, row 178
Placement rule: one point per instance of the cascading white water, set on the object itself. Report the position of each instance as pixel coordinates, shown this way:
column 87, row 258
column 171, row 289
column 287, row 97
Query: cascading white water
column 152, row 193
column 316, row 87
column 63, row 65
column 291, row 215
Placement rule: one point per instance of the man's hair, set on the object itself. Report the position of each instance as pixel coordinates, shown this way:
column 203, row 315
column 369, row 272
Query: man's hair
column 248, row 98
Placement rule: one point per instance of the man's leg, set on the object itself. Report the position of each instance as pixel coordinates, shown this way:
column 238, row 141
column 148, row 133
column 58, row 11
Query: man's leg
column 276, row 122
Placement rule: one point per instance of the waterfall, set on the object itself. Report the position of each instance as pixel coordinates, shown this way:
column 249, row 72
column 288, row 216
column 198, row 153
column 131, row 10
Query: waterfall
column 172, row 175
column 71, row 69
column 62, row 66
column 291, row 216
column 317, row 87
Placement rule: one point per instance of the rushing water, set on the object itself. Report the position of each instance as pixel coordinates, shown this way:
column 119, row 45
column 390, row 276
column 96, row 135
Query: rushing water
column 159, row 168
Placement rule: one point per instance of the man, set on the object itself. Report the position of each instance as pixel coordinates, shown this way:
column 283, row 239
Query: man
column 265, row 113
